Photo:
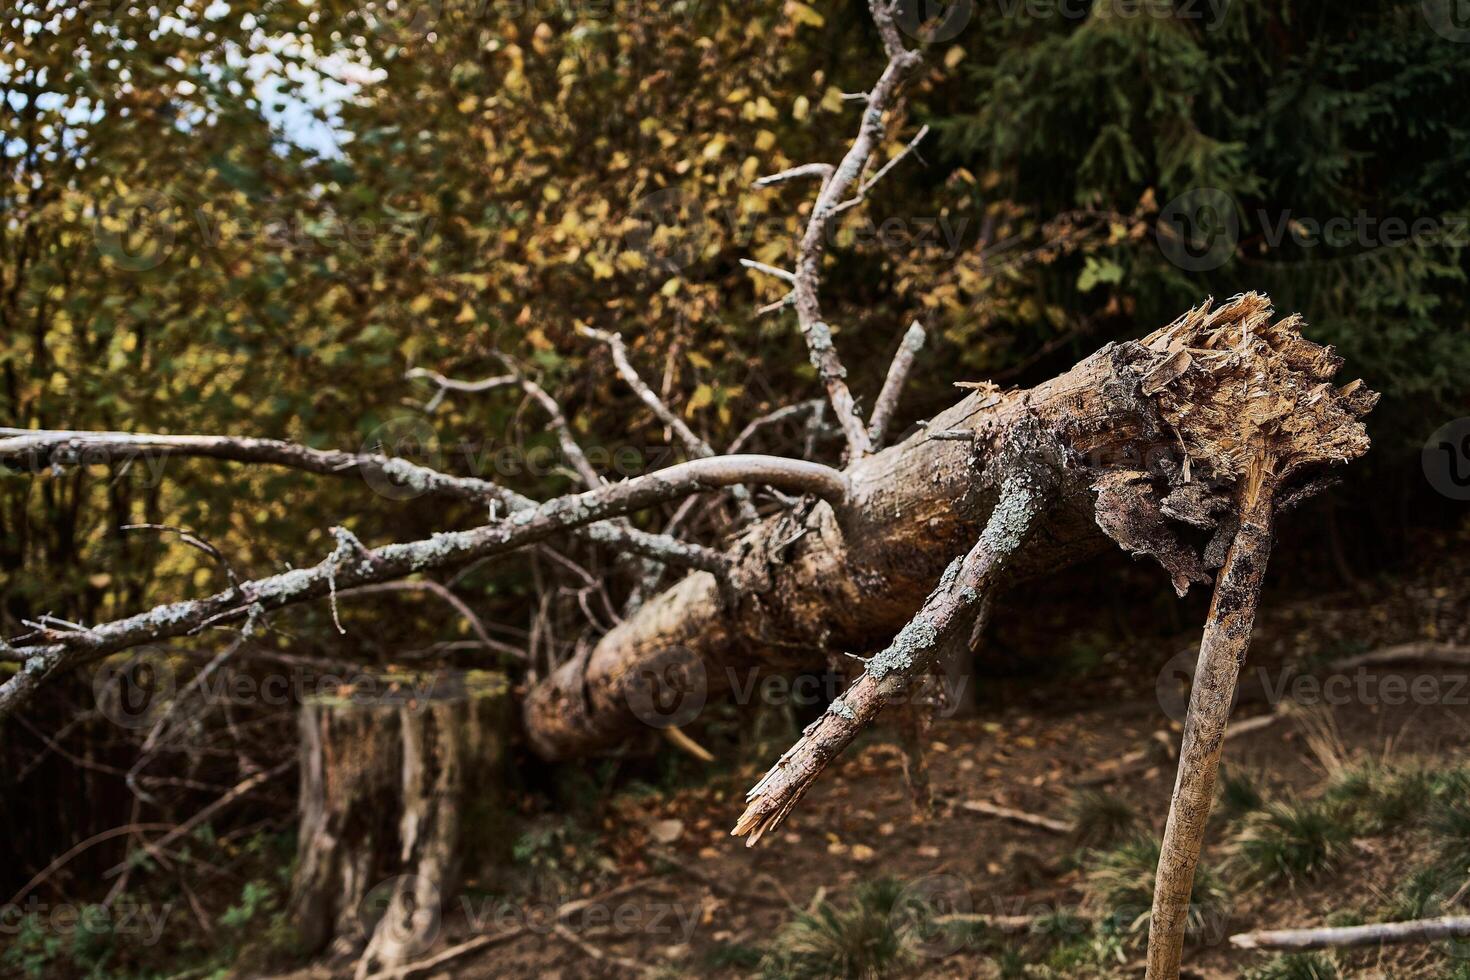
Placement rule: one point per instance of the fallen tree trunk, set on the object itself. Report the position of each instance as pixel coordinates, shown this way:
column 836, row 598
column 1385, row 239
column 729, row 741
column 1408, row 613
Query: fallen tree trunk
column 1147, row 445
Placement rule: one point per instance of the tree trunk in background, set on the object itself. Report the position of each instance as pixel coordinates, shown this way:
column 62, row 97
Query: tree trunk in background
column 401, row 778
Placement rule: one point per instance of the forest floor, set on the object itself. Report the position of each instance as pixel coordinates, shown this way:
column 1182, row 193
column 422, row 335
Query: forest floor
column 1343, row 810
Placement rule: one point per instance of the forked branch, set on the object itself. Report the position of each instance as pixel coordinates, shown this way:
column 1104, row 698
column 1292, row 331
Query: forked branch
column 832, row 200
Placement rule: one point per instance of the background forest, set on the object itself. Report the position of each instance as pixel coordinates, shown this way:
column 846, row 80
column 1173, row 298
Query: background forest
column 258, row 219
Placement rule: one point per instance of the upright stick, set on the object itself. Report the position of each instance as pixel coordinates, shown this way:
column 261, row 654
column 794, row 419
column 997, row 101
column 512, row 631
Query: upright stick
column 1222, row 651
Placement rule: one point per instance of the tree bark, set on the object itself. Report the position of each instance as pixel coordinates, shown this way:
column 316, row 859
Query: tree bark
column 1147, row 434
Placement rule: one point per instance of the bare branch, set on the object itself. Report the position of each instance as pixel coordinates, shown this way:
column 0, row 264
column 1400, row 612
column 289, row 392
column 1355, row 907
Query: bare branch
column 788, row 300
column 959, row 591
column 193, row 540
column 570, row 448
column 822, row 170
column 693, row 444
column 459, row 605
column 351, row 564
column 35, row 449
column 1373, row 934
column 454, row 384
column 883, row 11
column 898, row 373
column 771, row 418
column 657, row 551
column 769, row 270
column 447, row 385
column 1223, row 648
column 1040, row 822
column 558, row 420
column 871, row 182
column 812, row 246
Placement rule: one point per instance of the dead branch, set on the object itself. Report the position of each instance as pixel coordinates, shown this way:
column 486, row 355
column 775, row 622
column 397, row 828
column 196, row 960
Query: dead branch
column 1449, row 654
column 595, row 954
column 1222, row 651
column 770, row 418
column 187, row 827
column 352, row 564
column 831, row 201
column 570, row 448
column 458, row 604
column 898, row 373
column 1280, row 420
column 194, row 541
column 912, row 650
column 36, row 449
column 677, row 738
column 717, row 884
column 821, row 170
column 477, row 943
column 1375, row 934
column 1036, row 820
column 692, row 443
column 1010, row 924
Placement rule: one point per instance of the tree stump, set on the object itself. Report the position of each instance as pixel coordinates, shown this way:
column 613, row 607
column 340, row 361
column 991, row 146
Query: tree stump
column 401, row 790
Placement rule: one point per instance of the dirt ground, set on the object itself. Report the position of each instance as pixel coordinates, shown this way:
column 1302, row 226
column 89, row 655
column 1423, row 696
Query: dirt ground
column 1029, row 747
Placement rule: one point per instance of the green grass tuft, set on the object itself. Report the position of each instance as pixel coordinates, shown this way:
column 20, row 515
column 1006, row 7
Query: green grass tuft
column 735, row 956
column 1299, row 966
column 1101, row 819
column 1239, row 795
column 1449, row 823
column 1119, row 891
column 1288, row 842
column 1379, row 799
column 860, row 940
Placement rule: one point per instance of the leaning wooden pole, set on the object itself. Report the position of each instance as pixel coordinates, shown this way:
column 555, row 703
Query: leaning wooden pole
column 1222, row 651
